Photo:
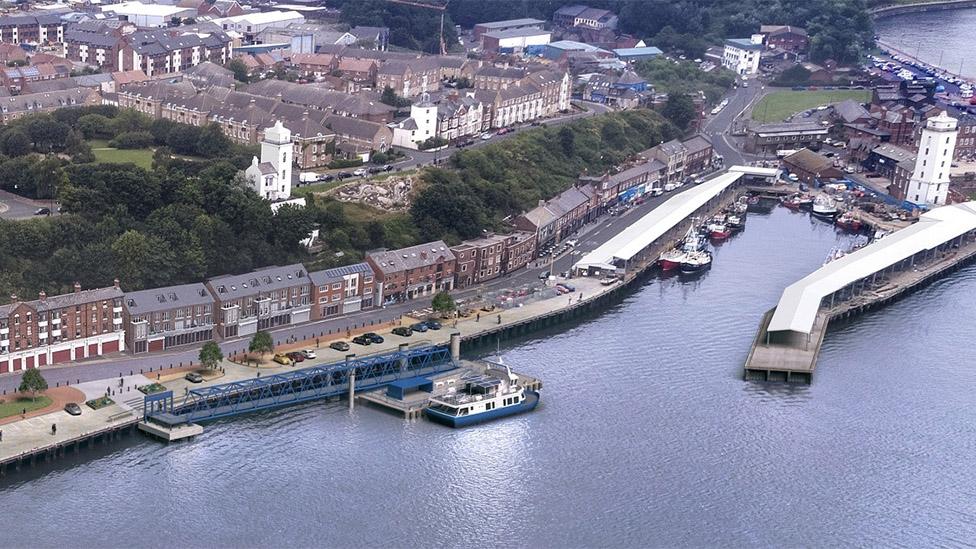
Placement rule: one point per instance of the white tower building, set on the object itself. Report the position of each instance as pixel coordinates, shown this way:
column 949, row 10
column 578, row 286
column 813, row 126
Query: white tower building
column 929, row 183
column 271, row 177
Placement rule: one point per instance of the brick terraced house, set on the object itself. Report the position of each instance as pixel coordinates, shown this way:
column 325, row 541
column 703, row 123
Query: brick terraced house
column 260, row 300
column 61, row 328
column 167, row 317
column 413, row 272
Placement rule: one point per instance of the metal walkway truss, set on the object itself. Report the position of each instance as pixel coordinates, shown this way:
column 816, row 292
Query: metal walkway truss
column 266, row 392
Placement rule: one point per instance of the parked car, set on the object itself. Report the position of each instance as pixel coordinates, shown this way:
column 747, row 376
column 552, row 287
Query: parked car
column 433, row 325
column 388, row 168
column 670, row 187
column 42, row 211
column 295, row 356
column 309, row 354
column 544, row 275
column 486, row 136
column 193, row 377
column 326, row 177
column 72, row 408
column 343, row 175
column 402, row 331
column 374, row 337
column 339, row 345
column 375, row 170
column 359, row 172
column 282, row 359
column 362, row 340
column 419, row 327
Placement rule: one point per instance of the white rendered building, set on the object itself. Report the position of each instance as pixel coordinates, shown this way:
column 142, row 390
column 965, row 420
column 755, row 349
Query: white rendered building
column 742, row 54
column 271, row 177
column 929, row 183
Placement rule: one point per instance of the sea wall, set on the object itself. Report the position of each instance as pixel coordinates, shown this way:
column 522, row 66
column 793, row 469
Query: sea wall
column 889, row 11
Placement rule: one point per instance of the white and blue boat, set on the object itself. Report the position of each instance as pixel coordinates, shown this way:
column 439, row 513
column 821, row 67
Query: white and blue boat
column 483, row 397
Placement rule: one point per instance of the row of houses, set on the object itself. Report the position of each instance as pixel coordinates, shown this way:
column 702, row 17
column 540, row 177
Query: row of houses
column 508, row 97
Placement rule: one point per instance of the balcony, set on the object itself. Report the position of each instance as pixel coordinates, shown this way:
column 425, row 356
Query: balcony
column 56, row 320
column 55, row 333
column 42, row 324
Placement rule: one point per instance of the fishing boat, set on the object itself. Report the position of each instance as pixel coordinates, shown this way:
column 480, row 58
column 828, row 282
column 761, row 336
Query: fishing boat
column 718, row 231
column 823, row 207
column 671, row 259
column 693, row 240
column 734, row 223
column 483, row 397
column 696, row 262
column 848, row 222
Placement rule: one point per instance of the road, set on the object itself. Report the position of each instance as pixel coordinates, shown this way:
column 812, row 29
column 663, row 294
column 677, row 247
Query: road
column 719, row 127
column 591, row 236
column 13, row 206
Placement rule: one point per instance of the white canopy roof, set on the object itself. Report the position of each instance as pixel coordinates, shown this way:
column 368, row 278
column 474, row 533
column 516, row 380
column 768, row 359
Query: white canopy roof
column 798, row 306
column 654, row 224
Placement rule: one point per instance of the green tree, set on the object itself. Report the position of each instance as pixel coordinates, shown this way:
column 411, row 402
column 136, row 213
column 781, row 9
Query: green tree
column 239, row 69
column 567, row 140
column 211, row 355
column 95, row 126
column 16, row 143
column 261, row 343
column 443, row 303
column 389, row 96
column 680, row 110
column 32, row 382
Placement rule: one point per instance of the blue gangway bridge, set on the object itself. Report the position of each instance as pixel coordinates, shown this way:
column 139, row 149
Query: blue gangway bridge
column 300, row 385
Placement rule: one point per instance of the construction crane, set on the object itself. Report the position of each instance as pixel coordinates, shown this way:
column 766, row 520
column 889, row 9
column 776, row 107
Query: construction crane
column 438, row 7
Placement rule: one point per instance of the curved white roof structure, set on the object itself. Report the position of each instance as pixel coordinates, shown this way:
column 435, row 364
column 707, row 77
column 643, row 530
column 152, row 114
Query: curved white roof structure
column 798, row 306
column 658, row 221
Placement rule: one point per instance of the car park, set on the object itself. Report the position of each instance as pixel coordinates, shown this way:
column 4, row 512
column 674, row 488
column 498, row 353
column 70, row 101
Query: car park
column 374, row 337
column 282, row 359
column 193, row 377
column 362, row 340
column 339, row 345
column 72, row 408
column 402, row 331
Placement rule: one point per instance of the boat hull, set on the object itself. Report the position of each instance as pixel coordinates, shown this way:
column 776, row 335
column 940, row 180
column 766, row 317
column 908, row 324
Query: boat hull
column 824, row 215
column 527, row 405
column 668, row 265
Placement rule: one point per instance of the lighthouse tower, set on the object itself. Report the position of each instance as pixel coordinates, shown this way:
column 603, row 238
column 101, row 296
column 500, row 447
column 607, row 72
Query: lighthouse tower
column 276, row 149
column 929, row 183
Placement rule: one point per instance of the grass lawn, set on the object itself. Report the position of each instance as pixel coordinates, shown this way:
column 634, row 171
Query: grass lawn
column 13, row 405
column 140, row 157
column 776, row 106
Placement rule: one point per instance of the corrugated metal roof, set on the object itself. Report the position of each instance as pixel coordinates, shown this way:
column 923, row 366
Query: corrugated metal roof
column 660, row 220
column 798, row 306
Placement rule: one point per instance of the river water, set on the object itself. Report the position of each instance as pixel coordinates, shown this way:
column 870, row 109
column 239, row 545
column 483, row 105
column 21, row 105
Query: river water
column 646, row 436
column 941, row 38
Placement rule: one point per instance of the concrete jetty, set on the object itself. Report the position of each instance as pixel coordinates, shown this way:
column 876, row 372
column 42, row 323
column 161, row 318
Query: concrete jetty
column 790, row 335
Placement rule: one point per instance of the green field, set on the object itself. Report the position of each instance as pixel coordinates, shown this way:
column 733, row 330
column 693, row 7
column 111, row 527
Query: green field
column 140, row 157
column 13, row 406
column 776, row 106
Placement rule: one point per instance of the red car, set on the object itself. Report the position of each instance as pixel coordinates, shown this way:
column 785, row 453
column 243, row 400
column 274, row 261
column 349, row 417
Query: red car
column 296, row 356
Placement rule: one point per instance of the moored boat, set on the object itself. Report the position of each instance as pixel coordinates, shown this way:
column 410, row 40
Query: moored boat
column 718, row 231
column 849, row 222
column 671, row 259
column 734, row 223
column 693, row 240
column 482, row 398
column 697, row 261
column 823, row 206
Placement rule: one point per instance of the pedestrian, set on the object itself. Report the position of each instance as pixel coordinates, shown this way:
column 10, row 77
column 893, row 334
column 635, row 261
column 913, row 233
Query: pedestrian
column 1, row 435
column 477, row 318
column 499, row 319
column 316, row 343
column 581, row 296
column 54, row 429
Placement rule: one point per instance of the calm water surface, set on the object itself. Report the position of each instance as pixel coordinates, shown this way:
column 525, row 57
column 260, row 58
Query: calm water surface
column 934, row 37
column 646, row 436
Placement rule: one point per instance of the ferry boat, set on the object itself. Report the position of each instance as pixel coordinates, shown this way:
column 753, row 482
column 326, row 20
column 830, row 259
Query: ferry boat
column 483, row 398
column 848, row 222
column 671, row 259
column 823, row 207
column 696, row 261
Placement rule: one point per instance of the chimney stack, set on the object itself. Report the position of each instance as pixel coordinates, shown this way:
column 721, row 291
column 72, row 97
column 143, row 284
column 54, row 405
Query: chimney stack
column 77, row 287
column 13, row 297
column 115, row 282
column 41, row 295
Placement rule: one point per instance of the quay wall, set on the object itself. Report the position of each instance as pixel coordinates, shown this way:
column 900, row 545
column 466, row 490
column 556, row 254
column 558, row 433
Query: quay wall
column 889, row 11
